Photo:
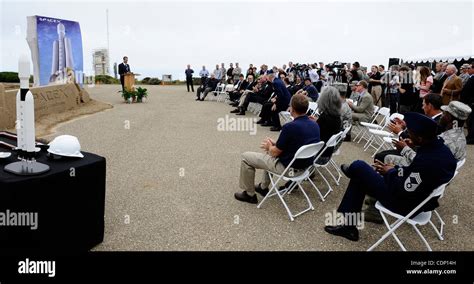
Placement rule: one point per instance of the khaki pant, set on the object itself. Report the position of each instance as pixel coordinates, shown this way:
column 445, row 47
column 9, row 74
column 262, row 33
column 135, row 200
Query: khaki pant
column 376, row 92
column 252, row 161
column 243, row 97
column 361, row 117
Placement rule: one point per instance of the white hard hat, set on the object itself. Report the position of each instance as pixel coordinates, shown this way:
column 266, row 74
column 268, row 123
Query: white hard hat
column 66, row 145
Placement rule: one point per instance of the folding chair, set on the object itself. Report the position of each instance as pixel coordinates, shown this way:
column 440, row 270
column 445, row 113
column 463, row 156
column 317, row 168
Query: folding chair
column 285, row 117
column 313, row 107
column 303, row 152
column 441, row 221
column 383, row 112
column 337, row 152
column 420, row 219
column 377, row 133
column 217, row 91
column 332, row 142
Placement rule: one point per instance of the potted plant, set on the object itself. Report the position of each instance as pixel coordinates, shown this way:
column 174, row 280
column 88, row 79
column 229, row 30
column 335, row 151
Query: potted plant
column 141, row 93
column 127, row 95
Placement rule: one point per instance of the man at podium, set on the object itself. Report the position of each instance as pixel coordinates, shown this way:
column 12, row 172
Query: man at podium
column 124, row 69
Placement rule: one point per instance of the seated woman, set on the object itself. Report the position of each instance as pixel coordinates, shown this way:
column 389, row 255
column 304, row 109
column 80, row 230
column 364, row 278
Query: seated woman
column 329, row 119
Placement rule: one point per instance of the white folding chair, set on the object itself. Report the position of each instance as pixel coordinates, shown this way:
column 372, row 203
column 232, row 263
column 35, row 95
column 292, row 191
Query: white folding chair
column 440, row 220
column 332, row 142
column 362, row 126
column 313, row 106
column 285, row 117
column 337, row 151
column 304, row 152
column 420, row 219
column 384, row 113
column 376, row 140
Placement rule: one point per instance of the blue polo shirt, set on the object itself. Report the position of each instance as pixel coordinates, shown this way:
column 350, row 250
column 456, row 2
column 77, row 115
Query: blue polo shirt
column 301, row 131
column 312, row 92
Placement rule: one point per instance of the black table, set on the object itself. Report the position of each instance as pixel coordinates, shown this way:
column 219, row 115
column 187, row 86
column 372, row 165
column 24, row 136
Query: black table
column 69, row 201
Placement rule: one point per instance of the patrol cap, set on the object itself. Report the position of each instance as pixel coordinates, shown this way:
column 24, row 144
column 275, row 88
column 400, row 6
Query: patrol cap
column 420, row 124
column 307, row 79
column 457, row 109
column 269, row 71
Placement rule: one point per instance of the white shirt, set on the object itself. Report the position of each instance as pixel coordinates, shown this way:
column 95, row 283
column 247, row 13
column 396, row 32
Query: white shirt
column 204, row 73
column 313, row 75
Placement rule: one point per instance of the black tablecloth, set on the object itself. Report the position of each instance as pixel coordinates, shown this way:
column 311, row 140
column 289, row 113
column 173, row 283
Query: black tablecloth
column 69, row 200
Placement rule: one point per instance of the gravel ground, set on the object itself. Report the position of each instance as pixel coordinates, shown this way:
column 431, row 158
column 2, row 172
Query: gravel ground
column 171, row 177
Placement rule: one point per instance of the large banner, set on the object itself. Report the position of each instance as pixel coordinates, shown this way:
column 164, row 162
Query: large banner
column 56, row 49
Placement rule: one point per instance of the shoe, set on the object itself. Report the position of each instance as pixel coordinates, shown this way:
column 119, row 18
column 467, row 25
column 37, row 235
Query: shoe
column 274, row 128
column 348, row 138
column 202, row 99
column 345, row 170
column 235, row 104
column 348, row 232
column 372, row 215
column 369, row 200
column 267, row 124
column 242, row 112
column 245, row 197
column 260, row 121
column 262, row 191
column 235, row 110
column 198, row 99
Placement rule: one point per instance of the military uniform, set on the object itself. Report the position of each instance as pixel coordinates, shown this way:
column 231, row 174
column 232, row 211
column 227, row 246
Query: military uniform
column 453, row 138
column 402, row 188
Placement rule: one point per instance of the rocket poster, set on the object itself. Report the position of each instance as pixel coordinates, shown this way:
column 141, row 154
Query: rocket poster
column 59, row 50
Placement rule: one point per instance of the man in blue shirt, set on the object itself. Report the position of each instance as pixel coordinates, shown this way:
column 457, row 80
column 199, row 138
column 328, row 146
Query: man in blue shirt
column 400, row 189
column 301, row 131
column 203, row 74
column 281, row 100
column 310, row 89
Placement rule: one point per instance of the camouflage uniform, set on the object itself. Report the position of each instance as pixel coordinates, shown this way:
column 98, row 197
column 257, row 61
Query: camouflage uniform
column 453, row 138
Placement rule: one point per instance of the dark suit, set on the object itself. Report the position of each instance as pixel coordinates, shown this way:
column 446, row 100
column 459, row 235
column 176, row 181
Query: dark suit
column 189, row 78
column 467, row 97
column 438, row 83
column 123, row 69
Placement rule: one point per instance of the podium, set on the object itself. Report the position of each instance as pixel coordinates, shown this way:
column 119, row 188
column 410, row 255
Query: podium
column 129, row 81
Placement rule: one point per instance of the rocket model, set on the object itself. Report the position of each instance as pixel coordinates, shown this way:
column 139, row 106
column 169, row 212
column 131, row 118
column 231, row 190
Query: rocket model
column 25, row 111
column 25, row 126
column 62, row 55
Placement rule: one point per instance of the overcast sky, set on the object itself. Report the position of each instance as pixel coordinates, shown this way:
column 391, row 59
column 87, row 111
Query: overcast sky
column 162, row 37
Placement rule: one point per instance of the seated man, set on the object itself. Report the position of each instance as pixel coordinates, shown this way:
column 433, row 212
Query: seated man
column 431, row 107
column 301, row 131
column 261, row 96
column 250, row 89
column 297, row 85
column 364, row 109
column 310, row 89
column 400, row 189
column 209, row 85
column 240, row 87
column 454, row 116
column 281, row 103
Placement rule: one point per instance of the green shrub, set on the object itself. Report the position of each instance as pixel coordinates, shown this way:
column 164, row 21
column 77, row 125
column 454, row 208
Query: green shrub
column 106, row 79
column 154, row 81
column 9, row 77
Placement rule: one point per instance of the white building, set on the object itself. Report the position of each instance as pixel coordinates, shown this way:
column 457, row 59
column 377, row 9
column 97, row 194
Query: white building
column 100, row 61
